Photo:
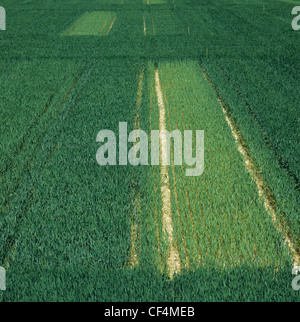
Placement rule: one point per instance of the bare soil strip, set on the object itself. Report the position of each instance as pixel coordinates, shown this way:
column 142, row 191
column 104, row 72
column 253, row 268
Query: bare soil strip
column 173, row 260
column 177, row 188
column 157, row 222
column 263, row 189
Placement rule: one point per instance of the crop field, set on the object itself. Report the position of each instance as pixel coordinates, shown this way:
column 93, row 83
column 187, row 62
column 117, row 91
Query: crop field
column 71, row 230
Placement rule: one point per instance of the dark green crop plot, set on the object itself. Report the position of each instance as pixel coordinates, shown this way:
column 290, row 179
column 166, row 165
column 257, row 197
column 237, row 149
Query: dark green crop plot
column 71, row 230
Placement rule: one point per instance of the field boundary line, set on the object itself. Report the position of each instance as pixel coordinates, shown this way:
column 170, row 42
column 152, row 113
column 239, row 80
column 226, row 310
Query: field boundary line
column 269, row 202
column 111, row 25
column 173, row 260
column 158, row 228
column 185, row 248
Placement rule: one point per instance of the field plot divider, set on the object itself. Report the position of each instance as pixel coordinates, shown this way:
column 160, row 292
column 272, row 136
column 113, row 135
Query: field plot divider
column 173, row 260
column 262, row 186
column 111, row 25
column 176, row 187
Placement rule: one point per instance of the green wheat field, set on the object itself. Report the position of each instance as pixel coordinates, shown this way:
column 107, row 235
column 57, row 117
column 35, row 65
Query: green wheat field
column 71, row 230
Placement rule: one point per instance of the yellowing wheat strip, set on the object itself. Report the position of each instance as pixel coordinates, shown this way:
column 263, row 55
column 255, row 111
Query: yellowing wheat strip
column 176, row 187
column 262, row 187
column 173, row 260
column 111, row 25
column 160, row 256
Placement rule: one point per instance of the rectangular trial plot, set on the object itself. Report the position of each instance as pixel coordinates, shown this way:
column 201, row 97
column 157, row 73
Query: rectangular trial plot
column 96, row 23
column 214, row 220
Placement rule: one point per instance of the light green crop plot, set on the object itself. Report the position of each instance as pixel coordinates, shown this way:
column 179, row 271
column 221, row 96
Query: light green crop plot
column 97, row 23
column 218, row 220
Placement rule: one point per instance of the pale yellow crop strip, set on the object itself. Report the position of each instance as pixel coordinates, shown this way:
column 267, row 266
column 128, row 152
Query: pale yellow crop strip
column 207, row 193
column 161, row 262
column 269, row 203
column 188, row 103
column 180, row 190
column 109, row 29
column 195, row 238
column 189, row 217
column 217, row 145
column 187, row 258
column 135, row 227
column 173, row 260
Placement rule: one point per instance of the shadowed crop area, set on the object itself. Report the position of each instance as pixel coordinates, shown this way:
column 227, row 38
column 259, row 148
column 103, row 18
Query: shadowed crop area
column 72, row 230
